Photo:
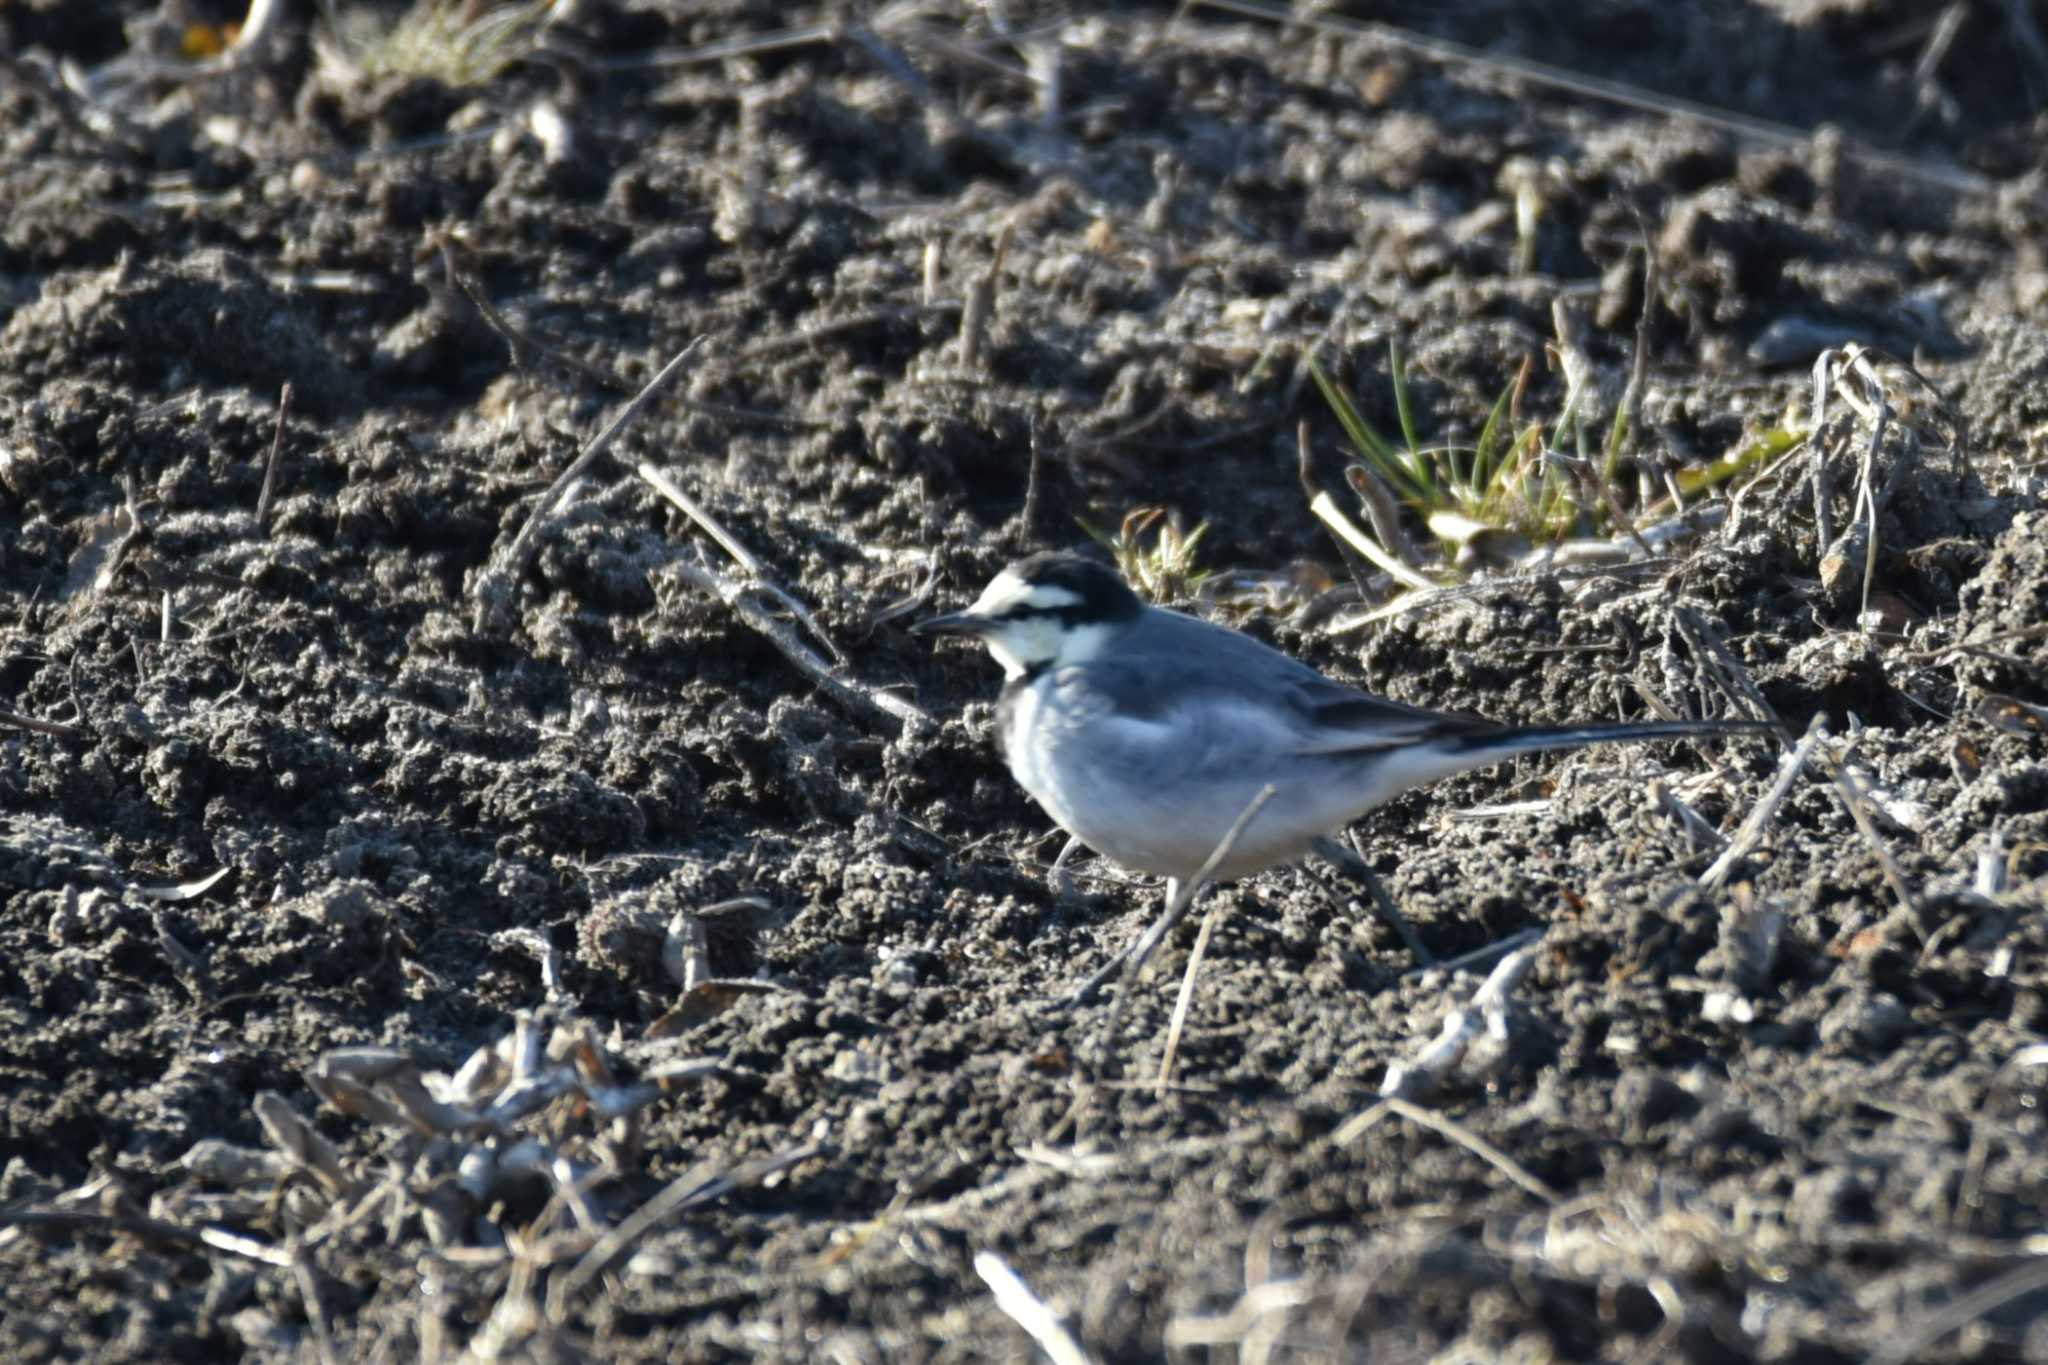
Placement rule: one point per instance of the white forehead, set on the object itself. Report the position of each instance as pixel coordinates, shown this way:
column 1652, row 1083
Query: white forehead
column 1006, row 590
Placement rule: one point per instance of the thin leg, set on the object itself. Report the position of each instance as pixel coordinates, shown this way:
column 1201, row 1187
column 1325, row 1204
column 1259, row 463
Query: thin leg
column 1355, row 867
column 1137, row 949
column 1061, row 879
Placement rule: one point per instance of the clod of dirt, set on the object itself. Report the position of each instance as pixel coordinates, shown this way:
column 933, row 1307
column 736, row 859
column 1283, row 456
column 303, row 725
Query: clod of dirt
column 209, row 319
column 2001, row 605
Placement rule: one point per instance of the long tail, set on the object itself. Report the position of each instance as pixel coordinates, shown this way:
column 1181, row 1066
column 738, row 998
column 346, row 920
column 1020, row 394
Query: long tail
column 1480, row 747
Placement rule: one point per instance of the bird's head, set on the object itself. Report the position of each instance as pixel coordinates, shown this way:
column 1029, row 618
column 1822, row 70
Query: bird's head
column 1047, row 611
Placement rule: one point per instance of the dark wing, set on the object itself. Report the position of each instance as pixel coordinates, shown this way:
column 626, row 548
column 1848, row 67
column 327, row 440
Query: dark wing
column 1336, row 719
column 1222, row 696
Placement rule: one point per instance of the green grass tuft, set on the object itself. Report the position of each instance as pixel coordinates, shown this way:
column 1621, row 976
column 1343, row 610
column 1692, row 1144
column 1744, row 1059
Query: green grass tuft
column 1154, row 554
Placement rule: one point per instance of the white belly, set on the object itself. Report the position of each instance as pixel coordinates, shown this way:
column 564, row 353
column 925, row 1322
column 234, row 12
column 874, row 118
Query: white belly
column 1149, row 805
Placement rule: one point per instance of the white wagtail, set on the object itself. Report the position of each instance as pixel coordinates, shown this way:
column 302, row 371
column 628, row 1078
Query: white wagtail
column 1145, row 733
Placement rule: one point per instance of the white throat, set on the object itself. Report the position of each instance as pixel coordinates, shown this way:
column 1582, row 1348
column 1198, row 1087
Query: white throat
column 1045, row 643
column 1037, row 639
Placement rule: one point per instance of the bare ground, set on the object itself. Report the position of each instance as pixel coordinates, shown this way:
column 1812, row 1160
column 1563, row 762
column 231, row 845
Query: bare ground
column 1787, row 1114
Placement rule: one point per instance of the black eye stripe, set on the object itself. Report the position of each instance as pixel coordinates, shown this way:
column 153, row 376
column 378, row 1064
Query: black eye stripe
column 1071, row 614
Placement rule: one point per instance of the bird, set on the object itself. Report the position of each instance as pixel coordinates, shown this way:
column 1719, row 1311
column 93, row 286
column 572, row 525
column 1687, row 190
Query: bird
column 1147, row 733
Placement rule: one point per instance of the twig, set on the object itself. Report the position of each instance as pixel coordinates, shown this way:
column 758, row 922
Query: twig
column 981, row 303
column 1380, row 510
column 1352, row 861
column 269, row 493
column 1234, row 1326
column 137, row 532
column 1759, row 818
column 1465, row 592
column 1479, row 955
column 1907, row 1344
column 1456, row 1132
column 796, row 341
column 1858, row 805
column 309, row 1294
column 494, row 587
column 541, row 949
column 1616, row 92
column 1639, row 360
column 516, row 340
column 1967, row 1197
column 223, row 1240
column 689, row 1192
column 1326, row 511
column 897, row 67
column 37, row 81
column 155, row 1231
column 1034, row 479
column 749, row 45
column 1305, row 469
column 853, row 695
column 1487, row 1009
column 1583, row 474
column 741, row 555
column 1734, row 678
column 1187, row 995
column 1867, row 495
column 919, row 598
column 686, row 950
column 303, row 1147
column 42, row 727
column 1028, row 1311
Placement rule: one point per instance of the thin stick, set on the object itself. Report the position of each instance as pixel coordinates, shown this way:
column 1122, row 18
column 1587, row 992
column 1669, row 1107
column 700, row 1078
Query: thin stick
column 689, row 1192
column 309, row 1294
column 848, row 692
column 1305, row 470
column 1866, row 493
column 1486, row 1010
column 269, row 493
column 1326, row 511
column 753, row 44
column 1352, row 860
column 1180, row 1004
column 223, row 1240
column 1469, row 592
column 1823, row 485
column 1582, row 472
column 1759, row 819
column 1639, row 362
column 155, row 1231
column 1028, row 1311
column 1178, row 909
column 42, row 727
column 2026, row 1278
column 796, row 341
column 1616, row 92
column 494, row 588
column 1034, row 479
column 741, row 555
column 981, row 302
column 137, row 532
column 1858, row 805
column 1501, row 948
column 1456, row 1132
column 1734, row 678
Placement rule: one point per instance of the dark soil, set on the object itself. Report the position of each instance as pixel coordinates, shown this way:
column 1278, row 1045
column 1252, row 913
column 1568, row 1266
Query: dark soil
column 1705, row 1152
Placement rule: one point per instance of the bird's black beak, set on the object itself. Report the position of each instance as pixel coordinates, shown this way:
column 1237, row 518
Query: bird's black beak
column 953, row 623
